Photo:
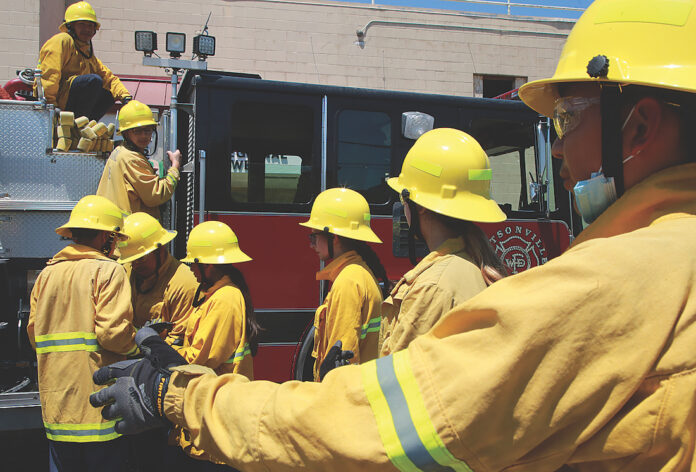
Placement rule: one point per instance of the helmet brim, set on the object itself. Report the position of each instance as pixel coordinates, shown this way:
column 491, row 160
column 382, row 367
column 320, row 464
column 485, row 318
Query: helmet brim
column 364, row 233
column 171, row 234
column 464, row 206
column 64, row 26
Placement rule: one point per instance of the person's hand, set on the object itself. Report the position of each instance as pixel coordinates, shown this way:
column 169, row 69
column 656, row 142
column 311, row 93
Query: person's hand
column 175, row 158
column 126, row 99
column 136, row 399
column 159, row 325
column 334, row 358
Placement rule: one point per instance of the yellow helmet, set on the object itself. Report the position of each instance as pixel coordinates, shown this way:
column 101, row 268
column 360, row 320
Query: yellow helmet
column 447, row 171
column 640, row 42
column 213, row 242
column 343, row 212
column 145, row 234
column 94, row 212
column 80, row 11
column 133, row 115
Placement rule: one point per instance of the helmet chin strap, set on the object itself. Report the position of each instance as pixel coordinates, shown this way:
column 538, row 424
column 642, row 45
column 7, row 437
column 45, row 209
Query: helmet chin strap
column 329, row 241
column 612, row 145
column 108, row 244
column 204, row 285
column 414, row 230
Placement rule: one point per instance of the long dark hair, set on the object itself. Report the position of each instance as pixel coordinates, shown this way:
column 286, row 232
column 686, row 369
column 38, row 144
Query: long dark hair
column 479, row 248
column 252, row 328
column 372, row 260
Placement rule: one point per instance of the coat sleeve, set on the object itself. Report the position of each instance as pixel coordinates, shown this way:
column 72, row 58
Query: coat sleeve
column 177, row 306
column 51, row 61
column 111, row 82
column 219, row 330
column 114, row 313
column 152, row 190
column 522, row 374
column 422, row 306
column 32, row 310
column 344, row 316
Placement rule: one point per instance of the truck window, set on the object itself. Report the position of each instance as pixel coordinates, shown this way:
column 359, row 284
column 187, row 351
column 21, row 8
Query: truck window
column 270, row 157
column 510, row 146
column 364, row 153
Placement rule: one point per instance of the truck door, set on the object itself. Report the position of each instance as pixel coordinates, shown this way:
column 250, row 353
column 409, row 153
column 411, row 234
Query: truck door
column 262, row 172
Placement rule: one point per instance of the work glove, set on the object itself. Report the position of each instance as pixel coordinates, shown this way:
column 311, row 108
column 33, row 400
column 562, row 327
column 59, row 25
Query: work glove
column 126, row 99
column 137, row 396
column 334, row 358
column 159, row 325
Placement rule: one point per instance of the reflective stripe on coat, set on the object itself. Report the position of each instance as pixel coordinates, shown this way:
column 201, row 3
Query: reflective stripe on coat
column 351, row 311
column 80, row 320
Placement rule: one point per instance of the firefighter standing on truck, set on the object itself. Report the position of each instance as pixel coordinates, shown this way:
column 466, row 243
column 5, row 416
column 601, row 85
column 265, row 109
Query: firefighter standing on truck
column 340, row 223
column 72, row 77
column 162, row 288
column 80, row 320
column 222, row 332
column 461, row 262
column 585, row 363
column 129, row 179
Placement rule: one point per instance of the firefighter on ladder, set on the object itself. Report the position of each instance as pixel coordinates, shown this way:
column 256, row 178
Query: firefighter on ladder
column 585, row 362
column 129, row 179
column 73, row 78
column 81, row 320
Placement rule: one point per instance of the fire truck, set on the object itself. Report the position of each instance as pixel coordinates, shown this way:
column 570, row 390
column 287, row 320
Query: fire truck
column 257, row 152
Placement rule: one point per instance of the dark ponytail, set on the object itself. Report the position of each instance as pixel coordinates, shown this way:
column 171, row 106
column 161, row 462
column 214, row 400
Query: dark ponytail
column 478, row 247
column 252, row 328
column 372, row 260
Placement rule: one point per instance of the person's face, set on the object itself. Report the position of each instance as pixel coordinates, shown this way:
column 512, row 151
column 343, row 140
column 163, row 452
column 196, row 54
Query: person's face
column 146, row 265
column 580, row 148
column 84, row 30
column 140, row 136
column 197, row 270
column 318, row 242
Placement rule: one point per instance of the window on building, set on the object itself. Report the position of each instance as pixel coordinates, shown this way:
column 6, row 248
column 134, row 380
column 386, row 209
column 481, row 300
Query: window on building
column 489, row 86
column 363, row 157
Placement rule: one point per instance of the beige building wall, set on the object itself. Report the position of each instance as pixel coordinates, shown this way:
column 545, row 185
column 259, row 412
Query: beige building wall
column 416, row 50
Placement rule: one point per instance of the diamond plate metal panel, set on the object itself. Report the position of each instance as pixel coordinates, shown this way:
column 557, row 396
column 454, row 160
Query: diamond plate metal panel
column 24, row 131
column 67, row 177
column 31, row 233
column 27, row 172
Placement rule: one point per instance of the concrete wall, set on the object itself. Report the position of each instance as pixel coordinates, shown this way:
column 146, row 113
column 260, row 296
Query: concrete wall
column 307, row 41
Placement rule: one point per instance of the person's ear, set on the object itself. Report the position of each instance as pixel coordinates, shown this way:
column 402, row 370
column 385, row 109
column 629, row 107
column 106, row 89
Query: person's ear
column 642, row 126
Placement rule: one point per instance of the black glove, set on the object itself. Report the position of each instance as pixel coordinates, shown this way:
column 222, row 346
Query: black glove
column 159, row 325
column 334, row 358
column 137, row 397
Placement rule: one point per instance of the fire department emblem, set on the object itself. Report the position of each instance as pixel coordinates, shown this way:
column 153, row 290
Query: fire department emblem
column 519, row 247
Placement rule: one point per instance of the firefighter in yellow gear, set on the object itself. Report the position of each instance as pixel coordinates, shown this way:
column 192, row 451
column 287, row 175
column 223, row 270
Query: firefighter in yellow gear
column 222, row 332
column 444, row 186
column 81, row 320
column 340, row 223
column 129, row 179
column 72, row 77
column 585, row 363
column 162, row 288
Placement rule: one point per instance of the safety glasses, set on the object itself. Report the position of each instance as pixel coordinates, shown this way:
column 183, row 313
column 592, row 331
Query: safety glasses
column 567, row 113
